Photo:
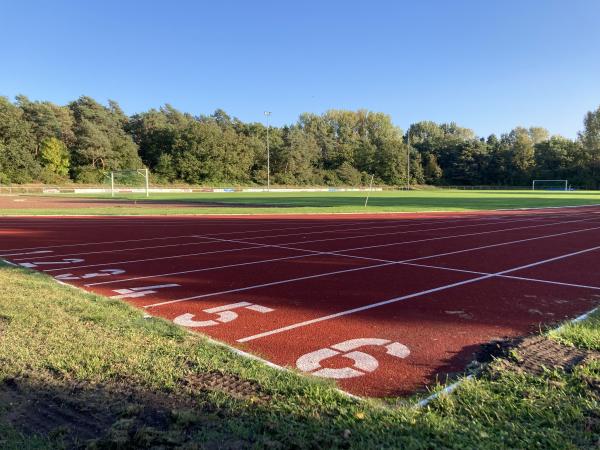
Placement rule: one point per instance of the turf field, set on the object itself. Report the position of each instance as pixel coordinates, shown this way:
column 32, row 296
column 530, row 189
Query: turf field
column 293, row 203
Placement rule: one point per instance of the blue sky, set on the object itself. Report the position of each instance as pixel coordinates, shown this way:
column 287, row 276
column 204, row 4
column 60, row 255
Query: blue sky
column 488, row 65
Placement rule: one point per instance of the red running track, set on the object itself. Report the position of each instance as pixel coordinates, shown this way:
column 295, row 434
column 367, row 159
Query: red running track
column 383, row 304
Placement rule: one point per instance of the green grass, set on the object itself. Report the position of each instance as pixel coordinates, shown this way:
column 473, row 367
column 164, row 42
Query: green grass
column 60, row 342
column 330, row 202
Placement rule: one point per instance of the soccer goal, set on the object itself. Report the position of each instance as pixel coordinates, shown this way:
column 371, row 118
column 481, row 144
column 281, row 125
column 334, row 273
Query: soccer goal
column 550, row 185
column 130, row 180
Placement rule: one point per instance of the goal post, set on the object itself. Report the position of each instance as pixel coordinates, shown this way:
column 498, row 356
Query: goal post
column 550, row 185
column 130, row 180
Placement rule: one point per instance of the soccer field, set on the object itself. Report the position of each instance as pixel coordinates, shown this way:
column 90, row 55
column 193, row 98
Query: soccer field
column 294, row 202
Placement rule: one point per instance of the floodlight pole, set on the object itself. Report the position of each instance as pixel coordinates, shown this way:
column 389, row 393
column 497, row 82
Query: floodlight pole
column 268, row 114
column 408, row 159
column 147, row 184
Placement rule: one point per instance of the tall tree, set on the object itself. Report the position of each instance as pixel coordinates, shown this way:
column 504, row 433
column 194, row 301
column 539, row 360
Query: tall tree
column 590, row 139
column 17, row 146
column 101, row 143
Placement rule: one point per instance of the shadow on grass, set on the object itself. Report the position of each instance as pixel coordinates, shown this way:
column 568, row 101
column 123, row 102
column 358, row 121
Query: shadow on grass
column 61, row 413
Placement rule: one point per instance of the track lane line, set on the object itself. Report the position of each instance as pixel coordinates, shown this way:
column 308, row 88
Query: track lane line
column 339, row 224
column 346, row 224
column 411, row 296
column 212, row 238
column 255, row 245
column 310, row 252
column 337, row 272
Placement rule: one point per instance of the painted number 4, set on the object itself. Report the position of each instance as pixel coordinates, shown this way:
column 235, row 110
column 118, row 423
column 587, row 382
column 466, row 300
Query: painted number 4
column 101, row 273
column 363, row 362
column 224, row 314
column 141, row 291
column 51, row 263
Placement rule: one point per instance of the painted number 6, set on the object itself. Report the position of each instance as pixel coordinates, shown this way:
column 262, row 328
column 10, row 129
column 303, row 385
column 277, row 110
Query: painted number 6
column 363, row 362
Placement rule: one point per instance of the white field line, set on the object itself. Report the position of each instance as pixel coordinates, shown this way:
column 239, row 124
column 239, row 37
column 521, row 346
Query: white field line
column 210, row 238
column 345, row 224
column 356, row 269
column 411, row 296
column 310, row 252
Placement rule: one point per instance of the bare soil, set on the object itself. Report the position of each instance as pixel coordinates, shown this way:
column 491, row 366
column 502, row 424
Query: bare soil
column 536, row 354
column 84, row 415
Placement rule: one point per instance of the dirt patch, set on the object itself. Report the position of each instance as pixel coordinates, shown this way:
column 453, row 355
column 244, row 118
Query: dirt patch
column 80, row 415
column 230, row 384
column 536, row 354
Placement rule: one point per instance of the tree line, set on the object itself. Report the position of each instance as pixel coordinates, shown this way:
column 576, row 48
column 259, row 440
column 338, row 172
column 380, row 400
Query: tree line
column 84, row 140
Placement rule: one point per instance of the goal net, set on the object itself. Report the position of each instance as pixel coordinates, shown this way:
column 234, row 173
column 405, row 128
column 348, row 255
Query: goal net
column 129, row 181
column 550, row 185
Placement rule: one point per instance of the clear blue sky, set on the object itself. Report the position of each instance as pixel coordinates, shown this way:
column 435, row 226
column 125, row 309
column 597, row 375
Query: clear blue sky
column 488, row 65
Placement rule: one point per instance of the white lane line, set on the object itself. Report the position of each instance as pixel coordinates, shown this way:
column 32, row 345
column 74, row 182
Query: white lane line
column 511, row 277
column 206, row 269
column 212, row 239
column 156, row 259
column 27, row 253
column 316, row 252
column 197, row 241
column 411, row 296
column 181, row 236
column 101, row 243
column 345, row 238
column 259, row 245
column 337, row 272
column 338, row 224
column 274, row 283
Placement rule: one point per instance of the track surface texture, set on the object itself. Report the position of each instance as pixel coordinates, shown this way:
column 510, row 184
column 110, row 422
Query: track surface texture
column 383, row 304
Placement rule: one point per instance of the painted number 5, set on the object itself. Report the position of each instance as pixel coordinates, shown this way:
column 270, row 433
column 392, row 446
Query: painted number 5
column 363, row 363
column 224, row 314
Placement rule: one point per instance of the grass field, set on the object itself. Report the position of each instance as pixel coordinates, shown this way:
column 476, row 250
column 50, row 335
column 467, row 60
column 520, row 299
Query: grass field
column 305, row 202
column 62, row 348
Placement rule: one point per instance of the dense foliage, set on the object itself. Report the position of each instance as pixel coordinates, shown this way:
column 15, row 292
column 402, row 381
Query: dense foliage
column 82, row 141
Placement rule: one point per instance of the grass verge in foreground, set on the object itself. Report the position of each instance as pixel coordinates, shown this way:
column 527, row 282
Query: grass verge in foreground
column 297, row 202
column 79, row 369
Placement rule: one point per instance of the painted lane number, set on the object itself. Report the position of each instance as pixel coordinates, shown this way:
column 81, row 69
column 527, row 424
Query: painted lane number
column 224, row 314
column 101, row 273
column 363, row 362
column 31, row 265
column 141, row 291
